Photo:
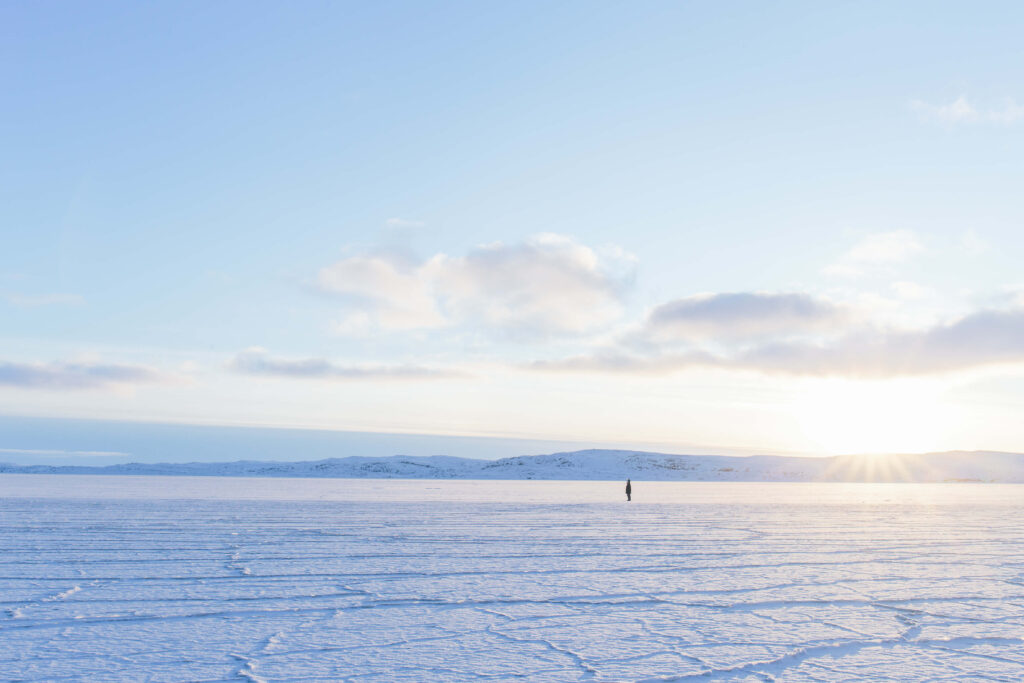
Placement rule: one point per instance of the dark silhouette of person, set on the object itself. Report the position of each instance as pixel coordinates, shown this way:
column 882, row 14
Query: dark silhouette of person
column 629, row 490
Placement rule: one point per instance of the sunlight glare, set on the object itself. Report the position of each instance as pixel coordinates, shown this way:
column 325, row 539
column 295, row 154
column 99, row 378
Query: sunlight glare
column 894, row 416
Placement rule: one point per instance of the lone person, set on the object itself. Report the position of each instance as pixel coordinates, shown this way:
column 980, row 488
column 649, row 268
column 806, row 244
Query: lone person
column 629, row 491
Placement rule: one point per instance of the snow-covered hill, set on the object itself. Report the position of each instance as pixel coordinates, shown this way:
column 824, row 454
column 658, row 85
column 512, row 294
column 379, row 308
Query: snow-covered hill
column 602, row 465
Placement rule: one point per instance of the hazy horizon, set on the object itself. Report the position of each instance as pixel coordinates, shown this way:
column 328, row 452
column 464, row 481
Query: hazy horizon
column 65, row 441
column 61, row 441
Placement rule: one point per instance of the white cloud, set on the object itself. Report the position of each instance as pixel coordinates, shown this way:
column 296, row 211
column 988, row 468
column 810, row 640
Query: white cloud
column 258, row 361
column 962, row 111
column 981, row 338
column 887, row 247
column 400, row 223
column 910, row 291
column 738, row 316
column 33, row 300
column 47, row 451
column 879, row 250
column 79, row 375
column 973, row 243
column 395, row 292
column 957, row 111
column 354, row 324
column 547, row 285
column 621, row 362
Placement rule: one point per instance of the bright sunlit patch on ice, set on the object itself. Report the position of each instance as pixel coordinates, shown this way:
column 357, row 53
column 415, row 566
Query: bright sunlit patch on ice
column 893, row 416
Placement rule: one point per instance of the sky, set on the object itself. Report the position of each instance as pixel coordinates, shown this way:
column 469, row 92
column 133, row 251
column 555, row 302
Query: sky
column 729, row 227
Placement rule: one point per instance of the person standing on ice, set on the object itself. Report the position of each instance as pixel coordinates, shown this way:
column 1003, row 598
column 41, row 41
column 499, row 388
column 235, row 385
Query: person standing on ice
column 629, row 491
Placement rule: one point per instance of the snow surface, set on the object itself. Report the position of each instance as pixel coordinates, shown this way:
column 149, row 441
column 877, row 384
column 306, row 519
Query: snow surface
column 192, row 578
column 601, row 465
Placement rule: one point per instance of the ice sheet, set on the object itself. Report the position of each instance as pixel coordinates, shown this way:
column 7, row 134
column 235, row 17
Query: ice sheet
column 169, row 579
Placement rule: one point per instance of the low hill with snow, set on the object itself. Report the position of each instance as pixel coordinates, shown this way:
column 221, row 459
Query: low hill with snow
column 982, row 466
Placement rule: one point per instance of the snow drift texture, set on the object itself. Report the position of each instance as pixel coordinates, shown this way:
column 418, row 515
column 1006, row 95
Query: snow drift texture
column 603, row 465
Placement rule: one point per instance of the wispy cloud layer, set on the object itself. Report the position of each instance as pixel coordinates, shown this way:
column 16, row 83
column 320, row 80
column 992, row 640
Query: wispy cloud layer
column 962, row 111
column 737, row 316
column 76, row 375
column 403, row 223
column 258, row 361
column 619, row 361
column 982, row 338
column 546, row 286
column 33, row 300
column 49, row 452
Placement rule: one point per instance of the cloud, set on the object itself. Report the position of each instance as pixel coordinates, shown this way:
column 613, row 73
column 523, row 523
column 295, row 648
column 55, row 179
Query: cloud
column 258, row 361
column 737, row 316
column 880, row 250
column 403, row 223
column 546, row 286
column 76, row 375
column 619, row 362
column 982, row 338
column 38, row 452
column 910, row 291
column 886, row 247
column 961, row 111
column 973, row 243
column 389, row 288
column 33, row 300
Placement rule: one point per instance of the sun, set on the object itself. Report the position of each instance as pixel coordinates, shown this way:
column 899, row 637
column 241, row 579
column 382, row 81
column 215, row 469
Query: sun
column 889, row 416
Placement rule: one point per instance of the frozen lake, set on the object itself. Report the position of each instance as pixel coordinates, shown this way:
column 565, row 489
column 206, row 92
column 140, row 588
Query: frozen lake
column 212, row 579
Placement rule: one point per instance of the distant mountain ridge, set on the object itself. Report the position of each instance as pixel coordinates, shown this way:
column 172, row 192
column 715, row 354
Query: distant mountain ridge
column 598, row 465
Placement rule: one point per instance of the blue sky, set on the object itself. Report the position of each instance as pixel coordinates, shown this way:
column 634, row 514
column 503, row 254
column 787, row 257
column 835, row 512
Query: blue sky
column 789, row 227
